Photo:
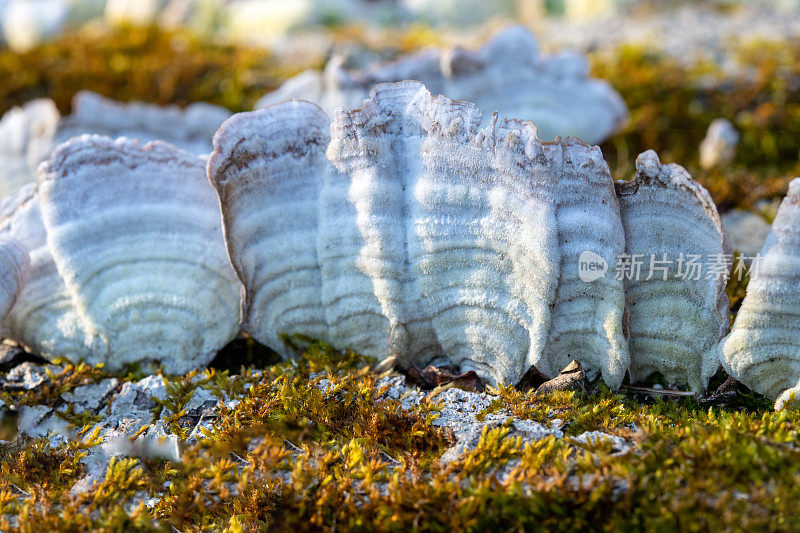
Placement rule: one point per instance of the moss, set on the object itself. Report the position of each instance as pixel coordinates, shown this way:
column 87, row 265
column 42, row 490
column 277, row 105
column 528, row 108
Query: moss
column 83, row 421
column 672, row 104
column 313, row 444
column 49, row 393
column 737, row 284
column 141, row 64
column 327, row 399
column 179, row 391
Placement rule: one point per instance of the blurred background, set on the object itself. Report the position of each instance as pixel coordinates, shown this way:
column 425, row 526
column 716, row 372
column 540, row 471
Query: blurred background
column 679, row 67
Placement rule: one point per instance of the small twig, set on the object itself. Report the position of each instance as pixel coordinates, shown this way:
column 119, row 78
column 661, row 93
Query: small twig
column 291, row 446
column 239, row 459
column 662, row 392
column 21, row 492
column 391, row 460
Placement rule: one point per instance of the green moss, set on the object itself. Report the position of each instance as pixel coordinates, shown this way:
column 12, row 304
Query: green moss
column 141, row 64
column 672, row 104
column 49, row 393
column 82, row 421
column 179, row 391
column 737, row 285
column 302, row 453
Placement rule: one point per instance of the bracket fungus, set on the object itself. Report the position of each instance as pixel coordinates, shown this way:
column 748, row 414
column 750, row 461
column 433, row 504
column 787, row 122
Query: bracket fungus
column 677, row 264
column 26, row 138
column 128, row 260
column 508, row 74
column 29, row 134
column 763, row 347
column 189, row 129
column 406, row 229
column 14, row 270
column 43, row 317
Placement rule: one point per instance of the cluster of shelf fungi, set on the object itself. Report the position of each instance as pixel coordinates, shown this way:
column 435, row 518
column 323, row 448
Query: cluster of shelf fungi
column 416, row 229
